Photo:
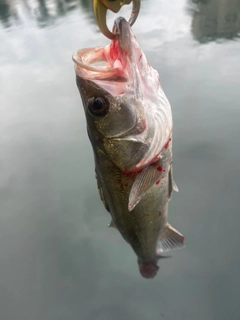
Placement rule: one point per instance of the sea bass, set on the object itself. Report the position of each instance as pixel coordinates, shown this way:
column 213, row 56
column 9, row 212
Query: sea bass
column 129, row 124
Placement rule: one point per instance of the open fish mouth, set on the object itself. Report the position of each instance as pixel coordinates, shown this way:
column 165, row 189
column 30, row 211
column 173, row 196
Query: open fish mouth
column 94, row 64
column 92, row 59
column 112, row 62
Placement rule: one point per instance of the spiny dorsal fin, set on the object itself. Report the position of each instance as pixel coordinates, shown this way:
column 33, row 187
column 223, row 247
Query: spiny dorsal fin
column 171, row 239
column 175, row 188
column 144, row 180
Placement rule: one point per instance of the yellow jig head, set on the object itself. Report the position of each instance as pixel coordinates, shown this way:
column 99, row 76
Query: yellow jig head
column 100, row 8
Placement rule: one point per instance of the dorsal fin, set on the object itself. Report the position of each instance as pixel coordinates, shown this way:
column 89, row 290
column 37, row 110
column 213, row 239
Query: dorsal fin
column 175, row 187
column 144, row 180
column 171, row 239
column 171, row 184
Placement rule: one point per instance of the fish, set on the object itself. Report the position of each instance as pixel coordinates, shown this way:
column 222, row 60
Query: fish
column 129, row 124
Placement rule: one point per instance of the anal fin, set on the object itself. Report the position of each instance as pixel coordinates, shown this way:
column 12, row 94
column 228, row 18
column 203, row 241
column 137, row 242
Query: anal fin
column 112, row 225
column 171, row 239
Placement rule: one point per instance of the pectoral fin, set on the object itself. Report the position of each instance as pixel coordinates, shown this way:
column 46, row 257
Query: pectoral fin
column 144, row 180
column 171, row 239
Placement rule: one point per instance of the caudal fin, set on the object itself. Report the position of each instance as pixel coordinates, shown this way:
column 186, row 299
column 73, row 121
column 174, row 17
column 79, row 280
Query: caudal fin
column 148, row 270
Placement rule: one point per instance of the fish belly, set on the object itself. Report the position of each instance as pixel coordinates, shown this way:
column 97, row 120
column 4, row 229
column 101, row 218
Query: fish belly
column 142, row 226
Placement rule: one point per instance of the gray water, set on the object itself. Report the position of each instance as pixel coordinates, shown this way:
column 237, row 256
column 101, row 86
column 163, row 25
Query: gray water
column 58, row 259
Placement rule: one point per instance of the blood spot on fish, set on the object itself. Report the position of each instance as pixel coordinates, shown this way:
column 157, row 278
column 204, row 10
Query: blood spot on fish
column 157, row 182
column 159, row 168
column 126, row 184
column 115, row 53
column 159, row 213
column 146, row 215
column 130, row 175
column 140, row 57
column 113, row 50
column 167, row 144
column 119, row 181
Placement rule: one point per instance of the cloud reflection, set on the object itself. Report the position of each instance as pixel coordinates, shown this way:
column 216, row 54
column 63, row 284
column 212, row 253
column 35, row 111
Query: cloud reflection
column 215, row 19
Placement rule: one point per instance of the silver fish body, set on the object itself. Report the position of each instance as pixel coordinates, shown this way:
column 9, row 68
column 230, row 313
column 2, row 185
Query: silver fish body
column 129, row 124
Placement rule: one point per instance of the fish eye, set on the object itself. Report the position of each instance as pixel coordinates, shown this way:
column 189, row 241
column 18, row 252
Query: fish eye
column 98, row 106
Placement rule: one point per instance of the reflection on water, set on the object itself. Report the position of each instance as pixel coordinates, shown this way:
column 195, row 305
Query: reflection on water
column 215, row 19
column 7, row 13
column 45, row 12
column 58, row 259
column 212, row 19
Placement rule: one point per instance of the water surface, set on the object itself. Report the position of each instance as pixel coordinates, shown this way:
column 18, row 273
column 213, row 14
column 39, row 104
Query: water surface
column 58, row 259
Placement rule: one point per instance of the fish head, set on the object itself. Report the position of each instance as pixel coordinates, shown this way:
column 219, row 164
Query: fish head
column 110, row 120
column 128, row 115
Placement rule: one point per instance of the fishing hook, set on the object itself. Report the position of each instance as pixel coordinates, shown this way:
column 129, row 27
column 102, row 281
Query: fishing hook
column 100, row 8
